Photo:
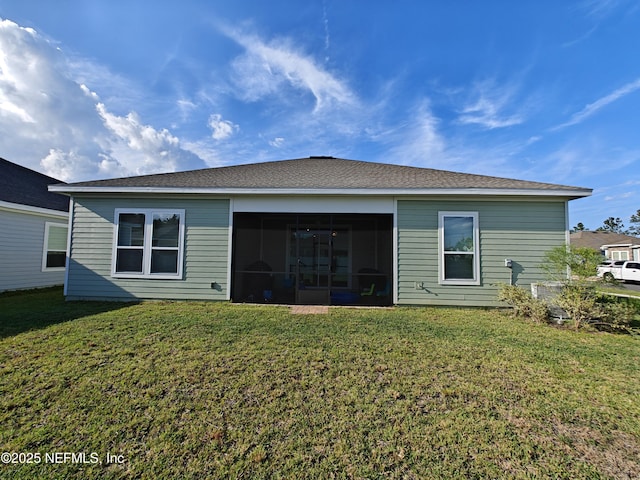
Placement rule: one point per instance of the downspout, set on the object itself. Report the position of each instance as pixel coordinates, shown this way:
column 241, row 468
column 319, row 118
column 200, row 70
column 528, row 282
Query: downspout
column 69, row 237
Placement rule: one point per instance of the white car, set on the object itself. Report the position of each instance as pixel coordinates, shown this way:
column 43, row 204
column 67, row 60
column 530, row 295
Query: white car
column 626, row 271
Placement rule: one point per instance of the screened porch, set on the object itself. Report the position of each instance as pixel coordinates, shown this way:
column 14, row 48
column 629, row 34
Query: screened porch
column 323, row 259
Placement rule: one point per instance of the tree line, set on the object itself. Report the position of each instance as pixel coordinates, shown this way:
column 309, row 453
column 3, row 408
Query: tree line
column 615, row 225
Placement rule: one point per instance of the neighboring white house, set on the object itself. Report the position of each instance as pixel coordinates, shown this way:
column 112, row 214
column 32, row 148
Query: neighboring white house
column 33, row 237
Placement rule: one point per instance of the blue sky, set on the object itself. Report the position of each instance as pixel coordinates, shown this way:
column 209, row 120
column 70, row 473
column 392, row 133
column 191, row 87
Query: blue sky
column 536, row 90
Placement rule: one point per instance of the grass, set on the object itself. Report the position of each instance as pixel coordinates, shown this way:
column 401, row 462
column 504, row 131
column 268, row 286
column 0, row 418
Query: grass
column 619, row 288
column 209, row 390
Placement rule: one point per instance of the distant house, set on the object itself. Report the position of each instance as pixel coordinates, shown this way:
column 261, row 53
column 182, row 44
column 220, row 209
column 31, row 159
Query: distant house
column 316, row 230
column 612, row 246
column 33, row 236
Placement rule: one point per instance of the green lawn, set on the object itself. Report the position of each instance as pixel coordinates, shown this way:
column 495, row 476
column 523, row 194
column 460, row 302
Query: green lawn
column 207, row 390
column 619, row 289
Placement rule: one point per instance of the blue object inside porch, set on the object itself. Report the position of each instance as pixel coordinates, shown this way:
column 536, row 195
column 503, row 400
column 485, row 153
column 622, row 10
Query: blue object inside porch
column 344, row 298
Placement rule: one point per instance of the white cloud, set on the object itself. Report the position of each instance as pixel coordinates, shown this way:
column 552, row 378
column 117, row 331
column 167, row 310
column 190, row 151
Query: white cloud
column 119, row 92
column 418, row 143
column 42, row 108
column 50, row 120
column 89, row 93
column 66, row 166
column 490, row 106
column 621, row 196
column 221, row 129
column 209, row 153
column 264, row 68
column 327, row 38
column 139, row 149
column 600, row 9
column 277, row 142
column 586, row 159
column 185, row 107
column 10, row 108
column 599, row 104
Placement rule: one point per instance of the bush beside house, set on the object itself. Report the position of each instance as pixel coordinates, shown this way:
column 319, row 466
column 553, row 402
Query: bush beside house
column 579, row 296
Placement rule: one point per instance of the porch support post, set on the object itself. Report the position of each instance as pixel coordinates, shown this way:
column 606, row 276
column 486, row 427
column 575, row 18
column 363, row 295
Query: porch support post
column 227, row 295
column 394, row 284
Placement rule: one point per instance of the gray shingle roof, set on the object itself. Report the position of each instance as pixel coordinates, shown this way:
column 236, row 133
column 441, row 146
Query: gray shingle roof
column 23, row 186
column 595, row 239
column 323, row 173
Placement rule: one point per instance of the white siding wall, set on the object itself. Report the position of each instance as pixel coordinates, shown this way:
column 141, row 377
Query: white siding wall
column 21, row 248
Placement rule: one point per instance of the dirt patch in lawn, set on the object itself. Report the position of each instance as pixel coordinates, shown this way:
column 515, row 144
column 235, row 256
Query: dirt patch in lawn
column 309, row 310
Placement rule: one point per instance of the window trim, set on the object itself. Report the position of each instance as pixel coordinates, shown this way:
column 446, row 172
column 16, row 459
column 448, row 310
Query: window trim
column 619, row 254
column 476, row 249
column 147, row 247
column 45, row 246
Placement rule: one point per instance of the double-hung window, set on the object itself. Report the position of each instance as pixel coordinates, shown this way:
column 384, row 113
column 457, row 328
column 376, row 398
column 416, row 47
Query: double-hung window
column 148, row 243
column 619, row 255
column 55, row 247
column 459, row 262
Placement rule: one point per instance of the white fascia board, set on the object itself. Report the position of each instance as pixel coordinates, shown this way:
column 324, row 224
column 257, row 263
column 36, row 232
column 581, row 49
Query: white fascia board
column 70, row 189
column 18, row 207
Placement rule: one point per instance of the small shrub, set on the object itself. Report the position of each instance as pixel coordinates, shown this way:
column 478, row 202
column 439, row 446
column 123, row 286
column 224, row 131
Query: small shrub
column 580, row 301
column 617, row 314
column 579, row 297
column 609, row 280
column 523, row 303
column 586, row 306
column 581, row 261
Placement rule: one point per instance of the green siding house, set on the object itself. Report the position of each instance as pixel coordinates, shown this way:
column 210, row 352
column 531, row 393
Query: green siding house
column 318, row 230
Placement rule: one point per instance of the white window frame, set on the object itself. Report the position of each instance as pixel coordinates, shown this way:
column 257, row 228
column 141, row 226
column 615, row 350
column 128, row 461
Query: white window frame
column 476, row 249
column 147, row 247
column 620, row 255
column 45, row 246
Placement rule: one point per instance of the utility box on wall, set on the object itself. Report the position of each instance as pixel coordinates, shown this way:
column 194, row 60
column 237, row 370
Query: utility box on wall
column 549, row 291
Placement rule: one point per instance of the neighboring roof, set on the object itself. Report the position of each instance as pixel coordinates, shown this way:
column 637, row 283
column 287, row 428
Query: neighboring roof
column 598, row 239
column 320, row 175
column 23, row 186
